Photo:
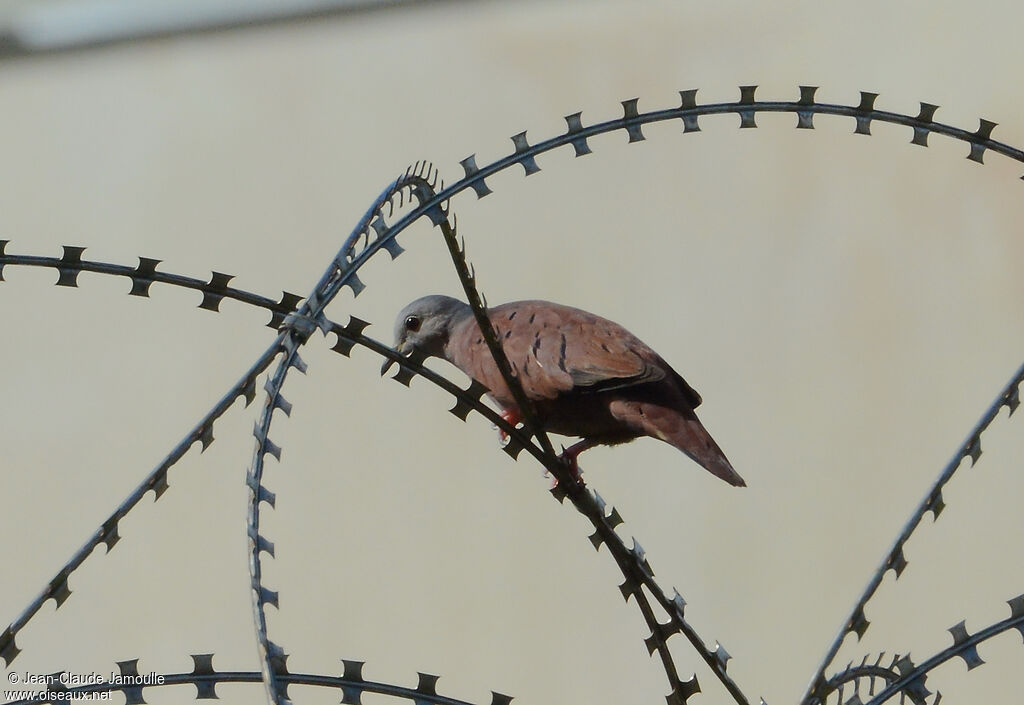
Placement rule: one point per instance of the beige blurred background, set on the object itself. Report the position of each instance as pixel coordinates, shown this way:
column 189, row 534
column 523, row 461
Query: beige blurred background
column 847, row 306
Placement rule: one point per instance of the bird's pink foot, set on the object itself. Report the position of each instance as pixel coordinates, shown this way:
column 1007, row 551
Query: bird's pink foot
column 569, row 458
column 512, row 417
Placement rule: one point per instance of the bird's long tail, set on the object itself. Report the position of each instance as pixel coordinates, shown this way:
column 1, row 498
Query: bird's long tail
column 682, row 429
column 694, row 440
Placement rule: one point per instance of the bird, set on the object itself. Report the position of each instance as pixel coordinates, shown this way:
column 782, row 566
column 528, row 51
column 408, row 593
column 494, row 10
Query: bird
column 585, row 375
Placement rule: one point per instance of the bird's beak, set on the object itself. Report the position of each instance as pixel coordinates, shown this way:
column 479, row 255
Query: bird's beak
column 401, row 347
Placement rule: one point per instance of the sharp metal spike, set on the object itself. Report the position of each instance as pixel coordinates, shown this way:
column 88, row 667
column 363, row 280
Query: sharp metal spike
column 299, row 364
column 638, row 551
column 914, row 688
column 1013, row 398
column 805, row 117
column 658, row 636
column 427, row 684
column 575, row 124
column 678, row 602
column 215, row 290
column 379, row 226
column 747, row 98
column 897, row 561
column 130, row 673
column 476, row 390
column 513, row 448
column 267, row 496
column 936, row 504
column 269, row 597
column 142, row 277
column 249, row 390
column 970, row 653
column 342, row 344
column 278, row 658
column 596, row 540
column 58, row 590
column 973, row 450
column 470, row 168
column 109, row 533
column 287, row 305
column 264, row 545
column 500, row 699
column 1016, row 606
column 629, row 117
column 70, row 266
column 461, row 409
column 206, row 437
column 920, row 131
column 599, row 501
column 984, row 134
column 283, row 404
column 269, row 446
column 203, row 667
column 683, row 692
column 858, row 623
column 8, row 649
column 614, row 518
column 867, row 106
column 689, row 102
column 355, row 284
column 721, row 655
column 393, row 248
column 528, row 163
column 159, row 486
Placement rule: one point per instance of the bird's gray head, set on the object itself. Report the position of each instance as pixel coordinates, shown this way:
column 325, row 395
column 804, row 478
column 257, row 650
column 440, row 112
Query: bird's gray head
column 426, row 323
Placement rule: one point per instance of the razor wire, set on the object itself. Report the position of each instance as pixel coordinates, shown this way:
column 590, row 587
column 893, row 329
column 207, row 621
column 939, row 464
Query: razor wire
column 299, row 324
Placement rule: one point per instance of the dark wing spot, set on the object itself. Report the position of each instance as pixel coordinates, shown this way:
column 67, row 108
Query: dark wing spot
column 532, row 316
column 526, row 367
column 512, row 315
column 479, row 340
column 605, row 348
column 508, row 335
column 561, row 356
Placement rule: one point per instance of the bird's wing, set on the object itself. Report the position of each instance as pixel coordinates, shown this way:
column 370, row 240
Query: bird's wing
column 556, row 349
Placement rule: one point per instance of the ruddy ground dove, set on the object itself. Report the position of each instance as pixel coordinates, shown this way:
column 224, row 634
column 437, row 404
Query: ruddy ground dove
column 585, row 375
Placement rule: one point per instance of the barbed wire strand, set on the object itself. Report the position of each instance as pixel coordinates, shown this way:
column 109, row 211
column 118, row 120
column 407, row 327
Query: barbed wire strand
column 895, row 560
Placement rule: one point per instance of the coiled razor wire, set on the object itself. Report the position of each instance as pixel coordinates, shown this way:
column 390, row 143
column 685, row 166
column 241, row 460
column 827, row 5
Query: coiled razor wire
column 297, row 323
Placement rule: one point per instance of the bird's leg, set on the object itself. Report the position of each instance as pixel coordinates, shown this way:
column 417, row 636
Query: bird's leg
column 569, row 456
column 512, row 416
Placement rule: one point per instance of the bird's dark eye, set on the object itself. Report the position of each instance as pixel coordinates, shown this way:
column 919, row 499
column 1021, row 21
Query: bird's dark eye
column 412, row 323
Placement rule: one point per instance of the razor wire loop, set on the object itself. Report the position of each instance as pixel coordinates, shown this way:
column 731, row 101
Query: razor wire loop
column 205, row 679
column 525, row 155
column 895, row 560
column 342, row 271
column 470, row 400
